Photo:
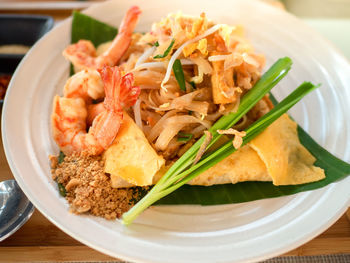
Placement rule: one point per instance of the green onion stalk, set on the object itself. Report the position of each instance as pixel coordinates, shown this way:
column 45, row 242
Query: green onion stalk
column 183, row 170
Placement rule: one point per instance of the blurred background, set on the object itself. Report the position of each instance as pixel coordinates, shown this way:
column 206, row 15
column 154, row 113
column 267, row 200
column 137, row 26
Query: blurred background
column 302, row 8
column 330, row 17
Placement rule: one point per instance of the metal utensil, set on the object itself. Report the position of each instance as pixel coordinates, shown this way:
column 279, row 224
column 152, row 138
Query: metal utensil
column 15, row 208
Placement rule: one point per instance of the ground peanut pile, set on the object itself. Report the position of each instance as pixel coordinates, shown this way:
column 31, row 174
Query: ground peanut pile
column 88, row 188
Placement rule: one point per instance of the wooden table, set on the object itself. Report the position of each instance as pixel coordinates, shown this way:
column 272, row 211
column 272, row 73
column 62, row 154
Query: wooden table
column 40, row 240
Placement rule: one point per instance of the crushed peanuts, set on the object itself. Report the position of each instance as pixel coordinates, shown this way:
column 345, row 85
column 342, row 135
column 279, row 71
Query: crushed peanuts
column 88, row 188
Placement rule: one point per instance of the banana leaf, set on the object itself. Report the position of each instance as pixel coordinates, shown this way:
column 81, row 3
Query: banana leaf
column 85, row 27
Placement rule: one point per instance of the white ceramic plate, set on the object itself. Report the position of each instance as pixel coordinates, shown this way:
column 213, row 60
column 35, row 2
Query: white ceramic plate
column 228, row 233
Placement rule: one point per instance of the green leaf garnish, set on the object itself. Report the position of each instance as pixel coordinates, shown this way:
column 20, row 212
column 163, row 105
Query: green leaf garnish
column 166, row 52
column 179, row 74
column 61, row 157
column 62, row 189
column 184, row 137
column 155, row 44
column 193, row 85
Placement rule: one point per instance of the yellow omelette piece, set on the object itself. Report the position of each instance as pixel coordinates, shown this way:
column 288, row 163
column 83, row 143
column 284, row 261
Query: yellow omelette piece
column 131, row 160
column 275, row 155
column 243, row 165
column 287, row 161
column 201, row 45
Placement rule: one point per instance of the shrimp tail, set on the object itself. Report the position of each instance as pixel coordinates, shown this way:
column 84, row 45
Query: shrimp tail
column 128, row 95
column 111, row 77
column 119, row 91
column 122, row 42
column 106, row 125
column 128, row 92
column 128, row 24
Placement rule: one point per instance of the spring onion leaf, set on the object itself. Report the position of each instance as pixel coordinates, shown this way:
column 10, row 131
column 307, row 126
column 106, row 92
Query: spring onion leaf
column 193, row 85
column 62, row 189
column 156, row 44
column 179, row 74
column 166, row 52
column 176, row 181
column 251, row 132
column 61, row 157
column 263, row 86
column 184, row 137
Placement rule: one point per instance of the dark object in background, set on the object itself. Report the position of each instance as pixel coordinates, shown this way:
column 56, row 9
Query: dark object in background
column 4, row 82
column 20, row 30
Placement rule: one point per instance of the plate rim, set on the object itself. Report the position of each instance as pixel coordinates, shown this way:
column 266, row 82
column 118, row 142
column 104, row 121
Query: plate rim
column 37, row 203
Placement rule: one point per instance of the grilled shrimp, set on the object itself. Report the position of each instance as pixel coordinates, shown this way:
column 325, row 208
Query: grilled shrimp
column 70, row 113
column 83, row 53
column 86, row 84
